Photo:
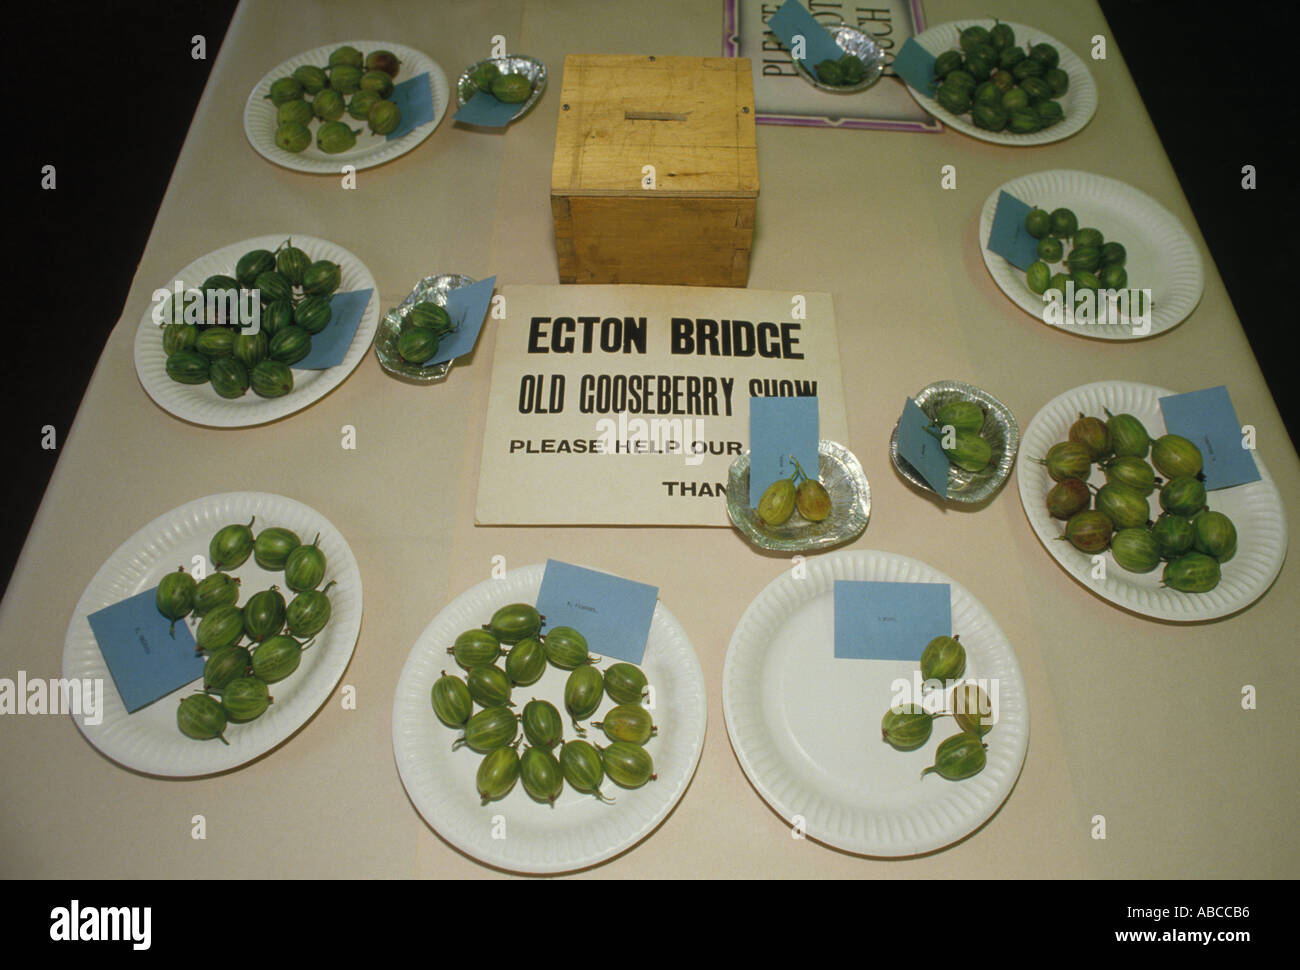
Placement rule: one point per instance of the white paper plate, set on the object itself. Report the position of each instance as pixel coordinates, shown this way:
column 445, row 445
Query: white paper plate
column 806, row 726
column 1255, row 509
column 1162, row 257
column 516, row 833
column 201, row 404
column 148, row 740
column 1079, row 102
column 370, row 150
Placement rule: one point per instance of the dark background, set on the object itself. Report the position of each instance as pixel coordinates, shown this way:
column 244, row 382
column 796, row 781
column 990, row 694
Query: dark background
column 117, row 89
column 1083, row 916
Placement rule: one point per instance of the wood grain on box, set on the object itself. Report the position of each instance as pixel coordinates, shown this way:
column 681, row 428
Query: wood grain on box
column 691, row 120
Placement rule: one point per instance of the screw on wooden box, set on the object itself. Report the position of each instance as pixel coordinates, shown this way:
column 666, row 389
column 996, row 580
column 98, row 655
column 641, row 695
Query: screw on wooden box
column 655, row 177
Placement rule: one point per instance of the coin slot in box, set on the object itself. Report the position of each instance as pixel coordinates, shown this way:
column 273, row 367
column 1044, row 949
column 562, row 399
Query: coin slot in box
column 666, row 203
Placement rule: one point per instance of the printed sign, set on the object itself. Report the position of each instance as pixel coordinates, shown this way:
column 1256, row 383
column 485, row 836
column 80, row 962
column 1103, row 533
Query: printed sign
column 783, row 97
column 626, row 405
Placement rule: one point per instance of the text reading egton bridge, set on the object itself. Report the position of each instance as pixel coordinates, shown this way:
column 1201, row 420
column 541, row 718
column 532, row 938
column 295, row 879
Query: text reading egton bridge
column 700, row 337
column 657, row 394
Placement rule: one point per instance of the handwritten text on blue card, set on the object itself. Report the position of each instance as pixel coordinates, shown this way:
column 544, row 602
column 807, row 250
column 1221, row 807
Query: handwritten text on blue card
column 921, row 449
column 1208, row 419
column 330, row 346
column 486, row 111
column 414, row 98
column 145, row 661
column 614, row 614
column 780, row 427
column 915, row 65
column 793, row 23
column 889, row 621
column 467, row 306
column 1008, row 236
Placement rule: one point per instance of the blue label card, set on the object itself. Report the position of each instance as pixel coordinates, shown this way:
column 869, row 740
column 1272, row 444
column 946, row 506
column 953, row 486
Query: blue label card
column 146, row 663
column 414, row 97
column 1009, row 238
column 921, row 449
column 1208, row 420
column 614, row 614
column 330, row 346
column 915, row 65
column 467, row 307
column 778, row 428
column 889, row 621
column 792, row 21
column 486, row 111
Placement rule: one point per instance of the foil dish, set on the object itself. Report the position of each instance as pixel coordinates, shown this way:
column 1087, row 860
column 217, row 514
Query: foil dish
column 845, row 482
column 851, row 41
column 529, row 67
column 1000, row 431
column 433, row 289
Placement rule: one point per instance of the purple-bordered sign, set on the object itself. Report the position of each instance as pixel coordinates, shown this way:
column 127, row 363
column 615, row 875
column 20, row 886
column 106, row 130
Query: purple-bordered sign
column 783, row 97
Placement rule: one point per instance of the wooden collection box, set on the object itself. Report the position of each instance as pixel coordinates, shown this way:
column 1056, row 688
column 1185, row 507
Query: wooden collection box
column 655, row 178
